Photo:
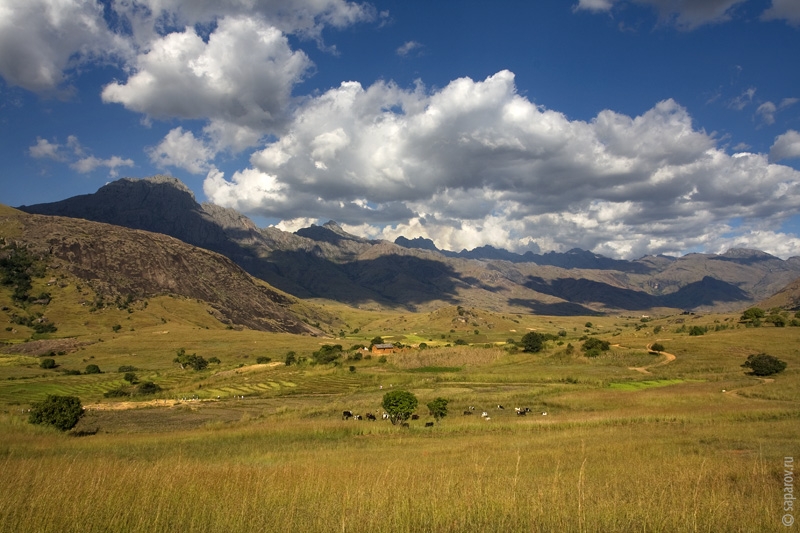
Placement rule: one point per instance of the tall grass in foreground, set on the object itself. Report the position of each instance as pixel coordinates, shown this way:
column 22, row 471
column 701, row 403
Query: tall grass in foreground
column 323, row 476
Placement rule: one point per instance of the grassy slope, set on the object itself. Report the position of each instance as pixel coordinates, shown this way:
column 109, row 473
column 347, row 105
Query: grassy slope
column 619, row 450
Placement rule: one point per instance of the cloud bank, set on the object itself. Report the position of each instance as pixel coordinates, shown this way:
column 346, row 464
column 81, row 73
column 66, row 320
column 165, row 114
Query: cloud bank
column 476, row 163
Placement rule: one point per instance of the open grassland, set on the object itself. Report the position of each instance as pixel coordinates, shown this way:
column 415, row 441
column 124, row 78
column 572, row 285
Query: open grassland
column 632, row 440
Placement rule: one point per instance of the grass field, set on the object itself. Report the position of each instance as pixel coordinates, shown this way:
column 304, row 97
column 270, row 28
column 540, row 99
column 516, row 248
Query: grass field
column 632, row 441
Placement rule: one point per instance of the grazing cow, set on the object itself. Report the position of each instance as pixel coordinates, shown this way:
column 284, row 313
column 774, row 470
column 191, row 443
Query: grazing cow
column 346, row 415
column 521, row 413
column 385, row 416
column 484, row 414
column 467, row 413
column 500, row 406
column 357, row 417
column 371, row 417
column 414, row 417
column 405, row 424
column 544, row 413
column 428, row 424
column 471, row 407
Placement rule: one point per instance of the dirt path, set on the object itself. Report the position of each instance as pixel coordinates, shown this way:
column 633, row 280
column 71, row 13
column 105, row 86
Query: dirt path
column 668, row 358
column 762, row 381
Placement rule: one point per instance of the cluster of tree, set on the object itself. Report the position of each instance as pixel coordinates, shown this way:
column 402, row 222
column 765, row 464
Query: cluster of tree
column 50, row 363
column 755, row 317
column 39, row 323
column 328, row 353
column 534, row 342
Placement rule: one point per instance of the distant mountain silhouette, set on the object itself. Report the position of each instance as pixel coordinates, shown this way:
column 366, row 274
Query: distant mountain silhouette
column 327, row 262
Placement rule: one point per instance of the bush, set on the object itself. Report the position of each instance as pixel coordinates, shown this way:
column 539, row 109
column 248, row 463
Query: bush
column 147, row 387
column 193, row 361
column 697, row 330
column 764, row 365
column 127, row 368
column 328, row 353
column 130, row 377
column 533, row 342
column 214, row 360
column 47, row 363
column 62, row 412
column 595, row 344
column 263, row 360
column 291, row 358
column 657, row 347
column 92, row 369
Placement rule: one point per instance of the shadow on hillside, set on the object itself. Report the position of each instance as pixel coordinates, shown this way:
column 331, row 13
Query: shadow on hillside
column 393, row 279
column 706, row 292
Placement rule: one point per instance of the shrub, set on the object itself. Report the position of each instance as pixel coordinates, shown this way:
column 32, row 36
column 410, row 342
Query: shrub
column 127, row 368
column 92, row 369
column 697, row 330
column 460, row 342
column 47, row 363
column 533, row 342
column 291, row 358
column 657, row 347
column 130, row 377
column 595, row 344
column 214, row 360
column 328, row 353
column 62, row 412
column 382, row 359
column 147, row 387
column 263, row 360
column 423, row 345
column 764, row 365
column 193, row 361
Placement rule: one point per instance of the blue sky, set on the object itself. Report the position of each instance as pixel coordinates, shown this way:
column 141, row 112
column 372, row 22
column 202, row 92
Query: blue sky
column 625, row 127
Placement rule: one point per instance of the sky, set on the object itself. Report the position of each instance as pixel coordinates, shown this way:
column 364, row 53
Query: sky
column 624, row 127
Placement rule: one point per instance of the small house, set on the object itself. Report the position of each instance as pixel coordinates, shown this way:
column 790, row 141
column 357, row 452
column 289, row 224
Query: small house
column 382, row 349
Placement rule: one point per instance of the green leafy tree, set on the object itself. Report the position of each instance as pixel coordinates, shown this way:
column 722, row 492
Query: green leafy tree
column 752, row 314
column 438, row 408
column 399, row 405
column 62, row 412
column 697, row 331
column 764, row 365
column 130, row 377
column 593, row 346
column 374, row 341
column 193, row 361
column 47, row 363
column 263, row 360
column 657, row 347
column 92, row 369
column 327, row 353
column 533, row 342
column 291, row 358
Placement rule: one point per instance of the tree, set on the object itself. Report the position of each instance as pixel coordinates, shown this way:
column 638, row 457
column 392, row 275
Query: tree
column 764, row 365
column 532, row 342
column 376, row 340
column 62, row 412
column 752, row 314
column 47, row 363
column 657, row 347
column 191, row 361
column 130, row 377
column 92, row 369
column 399, row 405
column 291, row 358
column 438, row 408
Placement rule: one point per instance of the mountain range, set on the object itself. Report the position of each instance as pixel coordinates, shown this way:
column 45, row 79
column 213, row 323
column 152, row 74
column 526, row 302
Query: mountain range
column 326, row 262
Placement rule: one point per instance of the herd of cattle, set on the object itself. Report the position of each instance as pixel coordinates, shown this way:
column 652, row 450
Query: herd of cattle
column 521, row 411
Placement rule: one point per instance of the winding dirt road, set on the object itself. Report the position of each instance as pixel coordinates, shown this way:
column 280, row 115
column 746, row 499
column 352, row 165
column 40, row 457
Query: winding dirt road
column 669, row 357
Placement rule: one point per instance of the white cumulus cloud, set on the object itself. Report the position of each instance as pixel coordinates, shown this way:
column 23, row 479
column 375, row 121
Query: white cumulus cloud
column 476, row 163
column 786, row 146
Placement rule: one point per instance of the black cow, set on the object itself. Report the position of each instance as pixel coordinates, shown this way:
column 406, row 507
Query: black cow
column 467, row 412
column 357, row 417
column 347, row 414
column 414, row 417
column 521, row 413
column 428, row 424
column 371, row 417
